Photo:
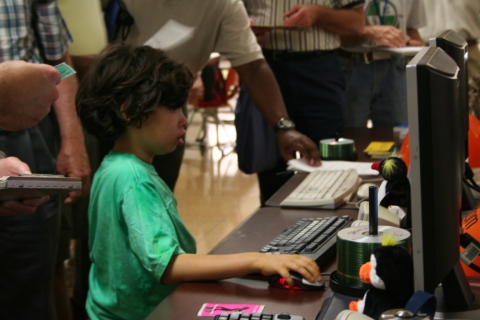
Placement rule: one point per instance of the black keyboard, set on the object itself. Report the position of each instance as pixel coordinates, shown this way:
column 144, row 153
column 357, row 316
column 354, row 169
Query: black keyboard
column 311, row 237
column 257, row 316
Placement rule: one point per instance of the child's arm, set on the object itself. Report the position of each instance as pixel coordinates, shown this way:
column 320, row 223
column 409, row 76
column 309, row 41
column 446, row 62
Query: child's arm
column 192, row 267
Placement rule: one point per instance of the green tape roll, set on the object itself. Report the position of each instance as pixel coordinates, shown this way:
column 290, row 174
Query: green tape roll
column 337, row 149
column 354, row 247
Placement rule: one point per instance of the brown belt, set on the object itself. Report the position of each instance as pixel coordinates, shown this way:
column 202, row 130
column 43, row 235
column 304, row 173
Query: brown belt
column 283, row 55
column 365, row 57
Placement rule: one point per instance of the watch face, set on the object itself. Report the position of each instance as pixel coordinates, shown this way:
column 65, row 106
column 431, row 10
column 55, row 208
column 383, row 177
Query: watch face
column 284, row 124
column 287, row 124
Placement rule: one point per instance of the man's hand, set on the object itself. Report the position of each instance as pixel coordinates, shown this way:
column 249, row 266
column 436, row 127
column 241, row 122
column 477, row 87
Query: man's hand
column 25, row 206
column 290, row 141
column 12, row 166
column 415, row 43
column 27, row 92
column 387, row 36
column 300, row 16
column 75, row 164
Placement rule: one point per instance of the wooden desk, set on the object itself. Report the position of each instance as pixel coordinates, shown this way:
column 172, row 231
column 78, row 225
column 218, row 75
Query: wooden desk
column 363, row 136
column 259, row 229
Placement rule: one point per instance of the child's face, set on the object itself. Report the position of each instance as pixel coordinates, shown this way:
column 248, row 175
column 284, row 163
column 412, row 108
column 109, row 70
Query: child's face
column 161, row 133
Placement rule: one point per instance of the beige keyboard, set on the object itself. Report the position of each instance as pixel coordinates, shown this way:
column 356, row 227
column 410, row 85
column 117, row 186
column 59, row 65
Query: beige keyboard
column 324, row 188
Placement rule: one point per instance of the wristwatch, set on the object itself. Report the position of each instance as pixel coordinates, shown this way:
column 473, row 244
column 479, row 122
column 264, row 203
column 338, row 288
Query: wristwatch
column 284, row 124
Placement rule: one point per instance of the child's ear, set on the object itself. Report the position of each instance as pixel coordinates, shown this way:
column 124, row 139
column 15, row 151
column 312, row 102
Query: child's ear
column 123, row 106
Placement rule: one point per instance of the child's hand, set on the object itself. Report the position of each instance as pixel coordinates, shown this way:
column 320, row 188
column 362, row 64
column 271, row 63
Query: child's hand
column 282, row 264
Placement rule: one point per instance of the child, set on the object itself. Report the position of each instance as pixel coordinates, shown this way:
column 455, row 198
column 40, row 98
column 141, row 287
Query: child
column 139, row 247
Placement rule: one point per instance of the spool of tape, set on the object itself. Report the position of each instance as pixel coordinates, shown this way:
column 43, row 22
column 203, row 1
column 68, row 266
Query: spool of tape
column 337, row 149
column 354, row 247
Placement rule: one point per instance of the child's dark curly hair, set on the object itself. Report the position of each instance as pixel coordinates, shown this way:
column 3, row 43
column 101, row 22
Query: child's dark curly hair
column 125, row 85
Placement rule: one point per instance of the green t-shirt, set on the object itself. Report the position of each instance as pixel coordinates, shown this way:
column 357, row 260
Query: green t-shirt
column 134, row 231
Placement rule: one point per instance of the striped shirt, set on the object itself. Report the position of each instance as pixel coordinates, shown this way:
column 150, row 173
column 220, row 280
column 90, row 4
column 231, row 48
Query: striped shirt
column 271, row 13
column 17, row 37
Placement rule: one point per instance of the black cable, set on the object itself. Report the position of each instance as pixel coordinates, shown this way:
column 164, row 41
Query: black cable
column 472, row 184
column 468, row 178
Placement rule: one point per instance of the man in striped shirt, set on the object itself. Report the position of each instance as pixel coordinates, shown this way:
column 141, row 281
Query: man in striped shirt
column 299, row 39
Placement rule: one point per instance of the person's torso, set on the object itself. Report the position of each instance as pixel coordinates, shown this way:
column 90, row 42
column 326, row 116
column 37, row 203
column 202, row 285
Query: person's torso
column 189, row 31
column 132, row 237
column 272, row 13
column 401, row 14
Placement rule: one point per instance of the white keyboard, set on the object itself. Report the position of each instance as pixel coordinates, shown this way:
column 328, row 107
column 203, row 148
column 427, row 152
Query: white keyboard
column 324, row 188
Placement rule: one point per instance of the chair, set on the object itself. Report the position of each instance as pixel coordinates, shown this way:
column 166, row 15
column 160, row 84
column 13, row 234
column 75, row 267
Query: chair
column 221, row 86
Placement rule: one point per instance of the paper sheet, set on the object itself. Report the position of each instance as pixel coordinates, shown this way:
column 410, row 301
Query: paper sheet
column 404, row 51
column 170, row 35
column 363, row 168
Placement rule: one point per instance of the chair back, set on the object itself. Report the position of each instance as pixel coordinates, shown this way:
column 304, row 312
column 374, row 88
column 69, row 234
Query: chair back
column 220, row 85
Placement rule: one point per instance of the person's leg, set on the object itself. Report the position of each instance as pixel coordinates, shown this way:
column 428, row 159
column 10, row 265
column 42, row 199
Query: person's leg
column 80, row 233
column 358, row 90
column 81, row 259
column 390, row 105
column 29, row 247
column 82, row 270
column 62, row 297
column 271, row 180
column 313, row 91
column 29, row 243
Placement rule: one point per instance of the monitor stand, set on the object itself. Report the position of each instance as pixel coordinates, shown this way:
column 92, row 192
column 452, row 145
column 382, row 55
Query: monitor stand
column 332, row 306
column 463, row 293
column 473, row 311
column 340, row 298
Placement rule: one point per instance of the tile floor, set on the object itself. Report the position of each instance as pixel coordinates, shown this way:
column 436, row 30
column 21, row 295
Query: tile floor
column 213, row 195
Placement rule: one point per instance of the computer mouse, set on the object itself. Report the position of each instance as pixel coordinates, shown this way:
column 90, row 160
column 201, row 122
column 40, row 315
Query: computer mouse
column 362, row 191
column 300, row 283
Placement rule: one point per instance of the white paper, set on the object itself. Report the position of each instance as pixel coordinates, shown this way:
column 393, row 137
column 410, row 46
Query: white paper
column 170, row 35
column 363, row 168
column 403, row 51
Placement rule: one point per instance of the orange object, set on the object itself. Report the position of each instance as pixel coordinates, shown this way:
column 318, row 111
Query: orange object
column 473, row 144
column 364, row 272
column 473, row 141
column 405, row 150
column 353, row 306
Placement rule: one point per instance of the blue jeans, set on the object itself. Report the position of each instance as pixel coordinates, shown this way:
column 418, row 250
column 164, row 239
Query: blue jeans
column 376, row 91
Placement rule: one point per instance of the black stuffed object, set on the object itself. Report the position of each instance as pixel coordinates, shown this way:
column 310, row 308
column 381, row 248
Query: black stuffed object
column 397, row 189
column 390, row 272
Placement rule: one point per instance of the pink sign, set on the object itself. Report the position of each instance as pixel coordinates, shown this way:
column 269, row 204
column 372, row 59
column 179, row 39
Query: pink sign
column 212, row 309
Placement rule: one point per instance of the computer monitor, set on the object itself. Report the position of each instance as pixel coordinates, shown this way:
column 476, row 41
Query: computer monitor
column 457, row 48
column 436, row 170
